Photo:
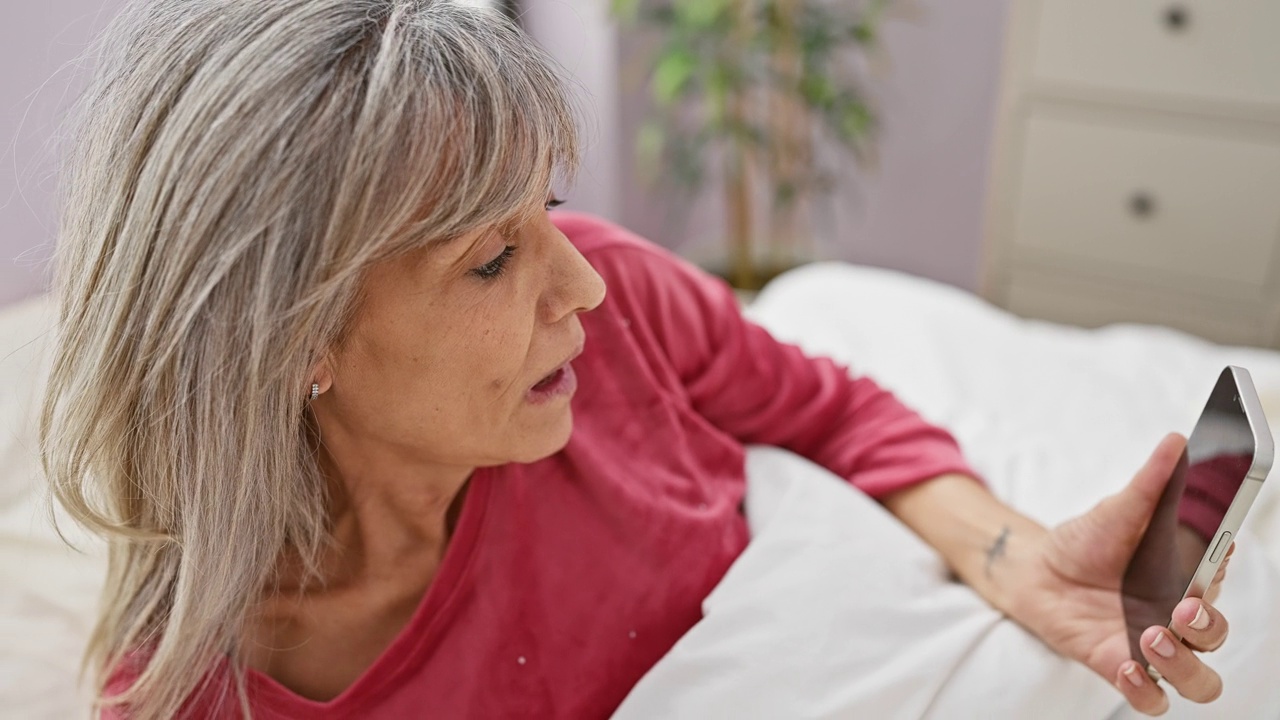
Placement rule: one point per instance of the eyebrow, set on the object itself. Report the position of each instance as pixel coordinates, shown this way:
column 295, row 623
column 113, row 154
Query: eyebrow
column 433, row 249
column 504, row 228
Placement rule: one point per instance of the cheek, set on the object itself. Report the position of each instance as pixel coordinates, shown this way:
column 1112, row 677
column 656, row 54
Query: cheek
column 461, row 366
column 499, row 360
column 473, row 360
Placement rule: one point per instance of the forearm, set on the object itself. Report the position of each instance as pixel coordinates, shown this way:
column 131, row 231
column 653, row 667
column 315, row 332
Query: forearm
column 983, row 540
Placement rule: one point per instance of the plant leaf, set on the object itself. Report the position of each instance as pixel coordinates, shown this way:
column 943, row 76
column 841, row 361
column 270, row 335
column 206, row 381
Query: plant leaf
column 702, row 14
column 628, row 11
column 672, row 75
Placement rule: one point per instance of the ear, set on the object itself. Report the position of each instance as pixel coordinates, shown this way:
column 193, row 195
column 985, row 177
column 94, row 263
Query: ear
column 322, row 375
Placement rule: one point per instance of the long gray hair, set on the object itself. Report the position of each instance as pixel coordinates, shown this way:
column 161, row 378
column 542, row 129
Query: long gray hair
column 237, row 166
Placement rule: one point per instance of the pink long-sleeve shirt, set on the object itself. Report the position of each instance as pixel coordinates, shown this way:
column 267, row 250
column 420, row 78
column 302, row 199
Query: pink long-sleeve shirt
column 569, row 578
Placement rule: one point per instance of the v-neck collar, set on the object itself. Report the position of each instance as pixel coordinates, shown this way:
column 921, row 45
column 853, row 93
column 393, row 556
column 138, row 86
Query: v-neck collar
column 428, row 620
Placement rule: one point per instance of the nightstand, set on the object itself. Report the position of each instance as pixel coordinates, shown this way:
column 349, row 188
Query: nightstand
column 1137, row 167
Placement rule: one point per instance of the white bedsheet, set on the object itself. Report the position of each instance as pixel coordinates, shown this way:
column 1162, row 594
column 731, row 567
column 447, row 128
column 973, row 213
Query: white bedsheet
column 48, row 591
column 1054, row 417
column 837, row 611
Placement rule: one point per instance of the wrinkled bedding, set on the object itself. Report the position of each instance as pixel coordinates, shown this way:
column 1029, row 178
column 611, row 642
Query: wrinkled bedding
column 835, row 610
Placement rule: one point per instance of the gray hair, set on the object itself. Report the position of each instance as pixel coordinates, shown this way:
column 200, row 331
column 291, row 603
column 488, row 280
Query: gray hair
column 238, row 165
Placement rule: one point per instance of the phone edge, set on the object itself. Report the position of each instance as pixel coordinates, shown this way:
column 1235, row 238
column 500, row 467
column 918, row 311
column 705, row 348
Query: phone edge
column 1263, row 460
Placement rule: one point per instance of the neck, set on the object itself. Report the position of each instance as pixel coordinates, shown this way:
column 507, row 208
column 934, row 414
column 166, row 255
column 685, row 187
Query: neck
column 386, row 510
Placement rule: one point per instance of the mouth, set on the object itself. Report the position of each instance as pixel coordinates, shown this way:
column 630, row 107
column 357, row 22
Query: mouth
column 560, row 381
column 551, row 380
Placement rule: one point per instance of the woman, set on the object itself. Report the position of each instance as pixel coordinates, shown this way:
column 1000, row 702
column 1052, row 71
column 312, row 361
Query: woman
column 369, row 439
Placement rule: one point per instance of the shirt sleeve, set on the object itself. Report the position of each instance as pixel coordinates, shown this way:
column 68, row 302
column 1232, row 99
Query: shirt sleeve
column 762, row 391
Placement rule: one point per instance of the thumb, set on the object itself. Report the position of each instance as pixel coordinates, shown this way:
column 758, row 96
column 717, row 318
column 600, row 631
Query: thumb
column 1135, row 504
column 1100, row 543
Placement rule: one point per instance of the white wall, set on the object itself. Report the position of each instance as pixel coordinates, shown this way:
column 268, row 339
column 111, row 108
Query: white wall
column 579, row 35
column 38, row 42
column 921, row 211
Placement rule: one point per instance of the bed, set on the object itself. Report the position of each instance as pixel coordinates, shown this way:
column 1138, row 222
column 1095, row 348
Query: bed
column 1054, row 417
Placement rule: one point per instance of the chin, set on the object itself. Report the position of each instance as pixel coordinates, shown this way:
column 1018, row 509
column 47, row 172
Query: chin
column 548, row 439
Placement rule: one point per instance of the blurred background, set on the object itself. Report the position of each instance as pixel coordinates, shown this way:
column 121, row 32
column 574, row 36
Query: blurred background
column 1077, row 160
column 921, row 210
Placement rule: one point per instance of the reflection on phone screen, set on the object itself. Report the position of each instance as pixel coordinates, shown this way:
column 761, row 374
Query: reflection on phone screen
column 1219, row 453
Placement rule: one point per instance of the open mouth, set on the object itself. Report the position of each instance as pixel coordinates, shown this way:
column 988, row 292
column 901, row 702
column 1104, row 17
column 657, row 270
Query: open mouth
column 550, row 381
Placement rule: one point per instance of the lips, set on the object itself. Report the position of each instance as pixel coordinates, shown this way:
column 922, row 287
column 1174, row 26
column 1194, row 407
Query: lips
column 549, row 380
column 556, row 372
column 558, row 385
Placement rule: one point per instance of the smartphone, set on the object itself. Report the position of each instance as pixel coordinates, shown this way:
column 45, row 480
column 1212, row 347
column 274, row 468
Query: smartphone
column 1228, row 456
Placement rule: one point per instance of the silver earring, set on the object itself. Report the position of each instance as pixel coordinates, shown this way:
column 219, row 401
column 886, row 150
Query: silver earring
column 315, row 390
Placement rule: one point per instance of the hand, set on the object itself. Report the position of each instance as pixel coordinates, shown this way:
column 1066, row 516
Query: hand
column 1072, row 600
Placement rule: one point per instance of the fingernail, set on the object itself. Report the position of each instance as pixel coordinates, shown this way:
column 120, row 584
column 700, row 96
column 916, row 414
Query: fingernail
column 1163, row 646
column 1133, row 675
column 1200, row 621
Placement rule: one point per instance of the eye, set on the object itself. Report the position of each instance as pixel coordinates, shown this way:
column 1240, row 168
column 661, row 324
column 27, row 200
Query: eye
column 554, row 203
column 496, row 266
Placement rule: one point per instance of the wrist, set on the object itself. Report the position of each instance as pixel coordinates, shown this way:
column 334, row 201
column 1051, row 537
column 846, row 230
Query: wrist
column 988, row 545
column 1019, row 575
column 1010, row 560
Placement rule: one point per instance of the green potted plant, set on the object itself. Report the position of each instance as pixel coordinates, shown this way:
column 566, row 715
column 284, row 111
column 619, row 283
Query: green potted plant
column 753, row 87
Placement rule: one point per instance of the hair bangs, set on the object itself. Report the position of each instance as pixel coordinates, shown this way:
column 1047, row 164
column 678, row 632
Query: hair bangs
column 508, row 131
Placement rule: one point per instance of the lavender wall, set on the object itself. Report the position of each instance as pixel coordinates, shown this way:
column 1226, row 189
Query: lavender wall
column 578, row 33
column 39, row 45
column 920, row 210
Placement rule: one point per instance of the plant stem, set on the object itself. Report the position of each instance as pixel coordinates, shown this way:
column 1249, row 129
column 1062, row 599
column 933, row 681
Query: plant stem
column 738, row 206
column 792, row 152
column 737, row 167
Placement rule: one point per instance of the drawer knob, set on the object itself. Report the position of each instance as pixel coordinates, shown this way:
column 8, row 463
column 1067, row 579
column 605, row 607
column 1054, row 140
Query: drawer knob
column 1142, row 205
column 1177, row 18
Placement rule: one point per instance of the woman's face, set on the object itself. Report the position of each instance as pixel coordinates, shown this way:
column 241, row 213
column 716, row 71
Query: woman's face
column 458, row 353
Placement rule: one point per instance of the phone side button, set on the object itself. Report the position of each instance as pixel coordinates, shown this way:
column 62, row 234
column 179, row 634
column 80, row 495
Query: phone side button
column 1224, row 542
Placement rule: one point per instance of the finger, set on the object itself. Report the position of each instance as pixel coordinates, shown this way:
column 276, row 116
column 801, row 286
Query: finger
column 1211, row 595
column 1200, row 624
column 1140, row 690
column 1138, row 499
column 1215, row 587
column 1221, row 575
column 1179, row 665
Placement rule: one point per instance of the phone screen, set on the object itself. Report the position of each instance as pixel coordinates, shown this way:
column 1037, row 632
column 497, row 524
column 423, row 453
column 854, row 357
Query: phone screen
column 1185, row 524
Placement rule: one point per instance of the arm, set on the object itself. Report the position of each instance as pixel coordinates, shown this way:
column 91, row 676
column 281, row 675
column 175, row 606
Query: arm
column 1063, row 584
column 761, row 391
column 981, row 539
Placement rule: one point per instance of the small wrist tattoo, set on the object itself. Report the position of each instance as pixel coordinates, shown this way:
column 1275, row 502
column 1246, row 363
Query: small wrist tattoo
column 996, row 551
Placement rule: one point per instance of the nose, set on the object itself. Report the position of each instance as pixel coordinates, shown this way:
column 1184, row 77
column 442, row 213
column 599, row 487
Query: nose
column 574, row 286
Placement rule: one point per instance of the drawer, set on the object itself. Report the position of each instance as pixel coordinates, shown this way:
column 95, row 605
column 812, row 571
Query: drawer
column 1087, row 302
column 1195, row 212
column 1213, row 49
